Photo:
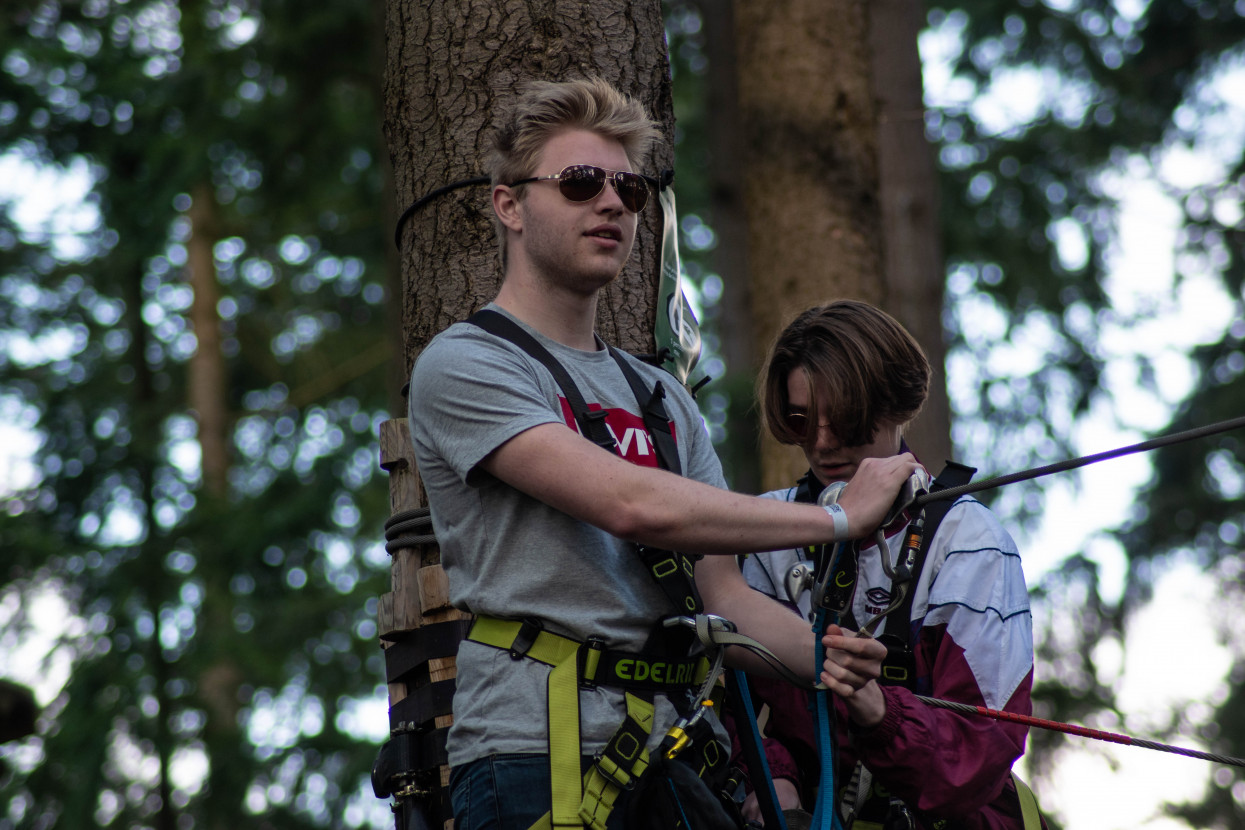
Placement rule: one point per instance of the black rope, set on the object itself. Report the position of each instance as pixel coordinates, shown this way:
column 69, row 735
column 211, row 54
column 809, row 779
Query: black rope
column 400, row 530
column 1073, row 463
column 407, row 515
column 428, row 197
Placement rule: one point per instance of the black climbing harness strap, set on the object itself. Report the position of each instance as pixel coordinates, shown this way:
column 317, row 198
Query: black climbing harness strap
column 672, row 570
column 656, row 421
column 899, row 668
column 591, row 422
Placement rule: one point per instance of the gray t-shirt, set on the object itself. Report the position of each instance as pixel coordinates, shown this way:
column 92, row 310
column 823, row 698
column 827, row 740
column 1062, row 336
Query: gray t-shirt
column 509, row 555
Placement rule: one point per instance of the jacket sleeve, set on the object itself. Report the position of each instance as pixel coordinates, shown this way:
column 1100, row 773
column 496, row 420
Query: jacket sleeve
column 943, row 763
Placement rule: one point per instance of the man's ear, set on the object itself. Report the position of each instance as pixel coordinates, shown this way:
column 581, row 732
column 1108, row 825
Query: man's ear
column 506, row 206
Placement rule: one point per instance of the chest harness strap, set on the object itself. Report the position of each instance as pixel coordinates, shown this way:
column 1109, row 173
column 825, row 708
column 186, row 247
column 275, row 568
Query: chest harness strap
column 672, row 570
column 587, row 799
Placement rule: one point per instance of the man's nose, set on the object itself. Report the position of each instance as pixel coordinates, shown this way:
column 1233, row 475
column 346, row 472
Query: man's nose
column 823, row 437
column 608, row 200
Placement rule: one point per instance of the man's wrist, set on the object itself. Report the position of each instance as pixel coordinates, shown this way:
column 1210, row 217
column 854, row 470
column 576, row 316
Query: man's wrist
column 839, row 515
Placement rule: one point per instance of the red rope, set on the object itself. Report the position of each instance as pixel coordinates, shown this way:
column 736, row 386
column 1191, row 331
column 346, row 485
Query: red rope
column 1082, row 731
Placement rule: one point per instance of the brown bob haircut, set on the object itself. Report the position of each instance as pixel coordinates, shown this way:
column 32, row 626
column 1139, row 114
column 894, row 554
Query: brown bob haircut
column 863, row 369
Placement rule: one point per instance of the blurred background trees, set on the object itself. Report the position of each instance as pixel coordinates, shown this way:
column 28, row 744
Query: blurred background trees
column 203, row 358
column 206, row 515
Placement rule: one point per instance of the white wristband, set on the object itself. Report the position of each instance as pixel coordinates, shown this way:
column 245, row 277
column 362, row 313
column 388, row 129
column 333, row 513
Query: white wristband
column 836, row 512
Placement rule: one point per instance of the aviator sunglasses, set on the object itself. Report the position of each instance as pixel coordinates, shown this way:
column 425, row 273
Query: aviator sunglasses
column 584, row 182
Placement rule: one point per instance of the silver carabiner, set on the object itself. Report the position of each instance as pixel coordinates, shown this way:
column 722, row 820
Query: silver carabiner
column 916, row 485
column 799, row 578
column 715, row 622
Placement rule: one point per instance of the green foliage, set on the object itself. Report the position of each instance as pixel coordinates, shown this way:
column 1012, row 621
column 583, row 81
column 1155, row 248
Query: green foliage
column 1032, row 208
column 221, row 645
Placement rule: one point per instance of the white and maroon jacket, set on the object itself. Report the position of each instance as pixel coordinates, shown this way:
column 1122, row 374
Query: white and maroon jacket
column 973, row 644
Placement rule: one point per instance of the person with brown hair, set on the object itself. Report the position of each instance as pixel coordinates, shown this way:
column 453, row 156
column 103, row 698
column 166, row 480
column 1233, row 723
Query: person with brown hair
column 569, row 545
column 841, row 382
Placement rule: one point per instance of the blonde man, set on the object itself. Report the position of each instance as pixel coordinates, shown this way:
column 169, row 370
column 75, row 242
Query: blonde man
column 539, row 526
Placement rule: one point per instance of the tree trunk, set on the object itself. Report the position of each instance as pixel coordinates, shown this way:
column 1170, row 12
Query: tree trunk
column 841, row 191
column 729, row 218
column 207, row 364
column 811, row 178
column 912, row 266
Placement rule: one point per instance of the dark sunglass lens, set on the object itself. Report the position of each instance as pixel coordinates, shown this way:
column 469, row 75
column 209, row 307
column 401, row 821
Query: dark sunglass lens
column 632, row 191
column 581, row 182
column 797, row 422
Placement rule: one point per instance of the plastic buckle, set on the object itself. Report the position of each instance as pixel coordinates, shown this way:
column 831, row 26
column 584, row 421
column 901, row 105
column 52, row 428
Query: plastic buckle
column 523, row 641
column 619, row 776
column 606, row 441
column 596, row 644
column 899, row 667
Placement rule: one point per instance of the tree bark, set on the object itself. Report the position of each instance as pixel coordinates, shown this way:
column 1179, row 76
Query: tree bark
column 449, row 65
column 912, row 266
column 809, row 122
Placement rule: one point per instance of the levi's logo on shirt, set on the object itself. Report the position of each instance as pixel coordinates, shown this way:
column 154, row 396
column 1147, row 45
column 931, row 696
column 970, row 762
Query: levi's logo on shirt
column 633, row 441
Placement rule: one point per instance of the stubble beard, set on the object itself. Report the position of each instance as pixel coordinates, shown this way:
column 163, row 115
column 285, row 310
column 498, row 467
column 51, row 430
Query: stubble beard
column 558, row 270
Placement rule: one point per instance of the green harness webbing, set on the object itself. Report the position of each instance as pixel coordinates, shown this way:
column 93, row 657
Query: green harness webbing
column 588, row 799
column 1029, row 811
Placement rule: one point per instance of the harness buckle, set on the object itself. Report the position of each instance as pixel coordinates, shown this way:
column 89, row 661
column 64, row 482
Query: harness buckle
column 591, row 426
column 523, row 641
column 899, row 667
column 587, row 659
column 616, row 769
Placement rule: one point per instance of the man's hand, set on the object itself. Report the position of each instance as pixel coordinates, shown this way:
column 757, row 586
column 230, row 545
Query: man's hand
column 851, row 668
column 872, row 491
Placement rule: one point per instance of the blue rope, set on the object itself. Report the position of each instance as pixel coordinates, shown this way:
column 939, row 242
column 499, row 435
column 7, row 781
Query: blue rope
column 740, row 681
column 825, row 816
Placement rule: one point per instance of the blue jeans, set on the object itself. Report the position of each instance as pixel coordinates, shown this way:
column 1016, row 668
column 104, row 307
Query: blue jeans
column 507, row 792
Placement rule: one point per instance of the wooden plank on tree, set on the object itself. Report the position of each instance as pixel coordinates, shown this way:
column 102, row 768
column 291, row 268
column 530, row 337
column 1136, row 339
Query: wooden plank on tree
column 404, row 577
column 434, row 589
column 384, row 616
column 397, row 457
